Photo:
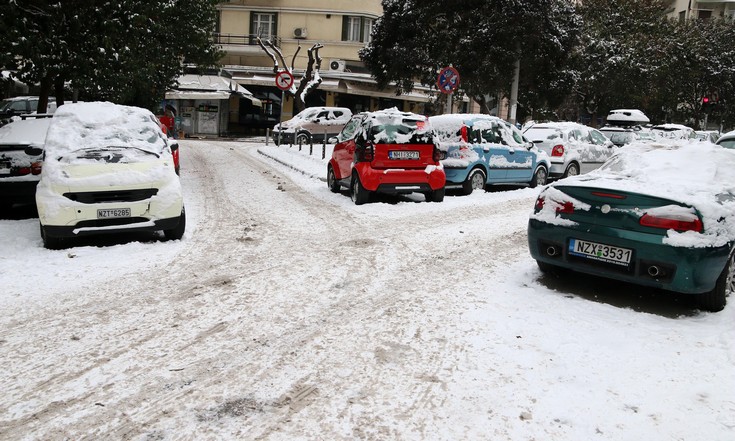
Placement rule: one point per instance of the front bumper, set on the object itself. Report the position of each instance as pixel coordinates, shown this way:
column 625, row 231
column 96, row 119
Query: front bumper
column 685, row 270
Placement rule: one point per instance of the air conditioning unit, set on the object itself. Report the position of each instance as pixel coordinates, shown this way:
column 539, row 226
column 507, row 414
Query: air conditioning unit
column 299, row 33
column 337, row 65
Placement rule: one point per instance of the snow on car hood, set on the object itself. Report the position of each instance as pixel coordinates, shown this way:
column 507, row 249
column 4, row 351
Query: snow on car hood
column 699, row 175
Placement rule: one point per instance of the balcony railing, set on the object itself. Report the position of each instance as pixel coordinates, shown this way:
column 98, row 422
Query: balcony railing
column 241, row 40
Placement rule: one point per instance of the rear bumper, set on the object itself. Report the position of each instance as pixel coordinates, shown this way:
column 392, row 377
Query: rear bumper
column 685, row 270
column 401, row 180
column 111, row 226
column 18, row 191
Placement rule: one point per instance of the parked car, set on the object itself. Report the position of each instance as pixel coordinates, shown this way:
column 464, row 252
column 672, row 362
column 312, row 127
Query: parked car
column 627, row 117
column 314, row 124
column 388, row 152
column 707, row 135
column 107, row 169
column 22, row 105
column 673, row 131
column 621, row 136
column 638, row 221
column 573, row 148
column 727, row 140
column 479, row 150
column 21, row 159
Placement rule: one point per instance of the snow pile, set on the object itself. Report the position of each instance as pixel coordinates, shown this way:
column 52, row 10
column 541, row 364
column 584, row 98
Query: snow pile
column 25, row 132
column 392, row 126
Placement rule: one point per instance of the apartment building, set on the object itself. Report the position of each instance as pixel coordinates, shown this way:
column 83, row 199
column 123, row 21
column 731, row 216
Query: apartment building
column 343, row 28
column 692, row 9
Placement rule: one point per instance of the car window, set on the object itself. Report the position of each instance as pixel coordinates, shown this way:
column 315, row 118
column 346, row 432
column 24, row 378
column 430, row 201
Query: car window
column 335, row 114
column 597, row 137
column 323, row 115
column 727, row 143
column 349, row 131
column 18, row 105
column 517, row 137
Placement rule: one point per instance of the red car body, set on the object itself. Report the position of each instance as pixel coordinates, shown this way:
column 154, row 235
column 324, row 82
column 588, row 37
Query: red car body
column 387, row 152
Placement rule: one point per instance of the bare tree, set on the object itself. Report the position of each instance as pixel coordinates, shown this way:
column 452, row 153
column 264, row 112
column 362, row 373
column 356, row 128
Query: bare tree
column 310, row 80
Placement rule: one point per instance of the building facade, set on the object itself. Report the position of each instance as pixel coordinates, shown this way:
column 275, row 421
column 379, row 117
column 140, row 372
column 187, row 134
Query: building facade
column 342, row 27
column 692, row 9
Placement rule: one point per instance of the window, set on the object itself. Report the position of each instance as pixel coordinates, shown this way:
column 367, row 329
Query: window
column 682, row 16
column 356, row 28
column 263, row 25
column 705, row 15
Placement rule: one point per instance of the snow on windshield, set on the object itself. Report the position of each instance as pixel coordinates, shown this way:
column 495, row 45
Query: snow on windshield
column 394, row 127
column 101, row 124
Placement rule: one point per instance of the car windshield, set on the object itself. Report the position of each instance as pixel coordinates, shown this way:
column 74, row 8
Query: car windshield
column 109, row 154
column 4, row 104
column 619, row 138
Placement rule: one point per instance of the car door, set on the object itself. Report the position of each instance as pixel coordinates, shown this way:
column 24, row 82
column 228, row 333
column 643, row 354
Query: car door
column 521, row 161
column 344, row 150
column 487, row 141
column 599, row 149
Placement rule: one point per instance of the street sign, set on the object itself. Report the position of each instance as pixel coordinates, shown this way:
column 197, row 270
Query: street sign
column 284, row 80
column 448, row 80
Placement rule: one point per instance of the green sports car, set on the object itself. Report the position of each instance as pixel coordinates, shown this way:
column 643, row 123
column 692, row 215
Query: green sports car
column 660, row 215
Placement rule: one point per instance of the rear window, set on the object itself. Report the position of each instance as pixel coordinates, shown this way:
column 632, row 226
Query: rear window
column 536, row 134
column 406, row 131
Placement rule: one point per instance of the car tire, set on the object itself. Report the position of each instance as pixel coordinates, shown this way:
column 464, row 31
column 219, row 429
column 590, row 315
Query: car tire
column 572, row 170
column 302, row 138
column 332, row 181
column 358, row 193
column 51, row 242
column 435, row 196
column 476, row 180
column 716, row 299
column 540, row 177
column 177, row 232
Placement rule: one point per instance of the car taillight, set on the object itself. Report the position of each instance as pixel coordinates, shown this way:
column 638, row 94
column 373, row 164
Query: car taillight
column 464, row 134
column 671, row 223
column 566, row 207
column 22, row 171
column 437, row 155
column 36, row 167
column 558, row 150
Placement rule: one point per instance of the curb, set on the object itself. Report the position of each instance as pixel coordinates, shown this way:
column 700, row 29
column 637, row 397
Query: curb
column 323, row 179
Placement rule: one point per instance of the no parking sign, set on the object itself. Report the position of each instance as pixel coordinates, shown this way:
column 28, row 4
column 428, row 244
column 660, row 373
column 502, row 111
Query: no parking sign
column 448, row 80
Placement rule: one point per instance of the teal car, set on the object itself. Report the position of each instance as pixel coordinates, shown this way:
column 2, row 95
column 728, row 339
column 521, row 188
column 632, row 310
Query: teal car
column 655, row 215
column 480, row 150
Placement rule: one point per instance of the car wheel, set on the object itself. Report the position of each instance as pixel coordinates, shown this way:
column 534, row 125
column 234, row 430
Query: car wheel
column 357, row 192
column 475, row 181
column 539, row 177
column 435, row 196
column 332, row 182
column 716, row 299
column 572, row 170
column 177, row 232
column 51, row 242
column 302, row 138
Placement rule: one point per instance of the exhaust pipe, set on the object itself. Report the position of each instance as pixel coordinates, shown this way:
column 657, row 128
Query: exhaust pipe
column 551, row 251
column 654, row 271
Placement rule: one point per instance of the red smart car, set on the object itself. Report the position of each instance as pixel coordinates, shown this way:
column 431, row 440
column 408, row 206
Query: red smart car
column 387, row 151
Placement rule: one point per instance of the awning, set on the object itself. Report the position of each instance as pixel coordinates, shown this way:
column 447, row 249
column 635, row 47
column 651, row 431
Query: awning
column 209, row 87
column 366, row 89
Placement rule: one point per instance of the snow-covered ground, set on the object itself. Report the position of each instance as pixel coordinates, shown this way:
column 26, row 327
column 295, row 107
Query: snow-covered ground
column 287, row 312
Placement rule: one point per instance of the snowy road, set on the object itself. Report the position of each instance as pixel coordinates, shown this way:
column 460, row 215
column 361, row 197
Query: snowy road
column 289, row 313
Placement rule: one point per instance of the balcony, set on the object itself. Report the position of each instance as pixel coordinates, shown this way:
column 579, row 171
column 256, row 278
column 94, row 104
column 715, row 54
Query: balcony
column 240, row 44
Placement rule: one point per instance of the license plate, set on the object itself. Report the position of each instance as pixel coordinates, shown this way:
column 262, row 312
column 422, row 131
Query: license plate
column 107, row 213
column 403, row 154
column 600, row 252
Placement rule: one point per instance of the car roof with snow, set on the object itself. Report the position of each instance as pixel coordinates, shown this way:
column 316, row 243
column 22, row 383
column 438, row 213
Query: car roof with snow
column 627, row 116
column 30, row 131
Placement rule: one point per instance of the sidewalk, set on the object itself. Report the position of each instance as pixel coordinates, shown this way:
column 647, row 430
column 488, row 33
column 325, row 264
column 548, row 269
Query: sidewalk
column 307, row 161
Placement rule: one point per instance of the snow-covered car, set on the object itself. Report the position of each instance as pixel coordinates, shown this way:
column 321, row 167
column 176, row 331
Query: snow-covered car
column 621, row 136
column 313, row 124
column 21, row 159
column 387, row 151
column 637, row 221
column 478, row 150
column 707, row 135
column 107, row 169
column 573, row 148
column 727, row 140
column 673, row 131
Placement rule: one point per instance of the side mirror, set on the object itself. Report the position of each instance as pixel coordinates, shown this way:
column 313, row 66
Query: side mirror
column 33, row 151
column 529, row 145
column 333, row 140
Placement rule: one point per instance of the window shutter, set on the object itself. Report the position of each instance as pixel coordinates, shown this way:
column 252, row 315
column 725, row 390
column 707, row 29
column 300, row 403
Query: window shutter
column 274, row 37
column 252, row 31
column 362, row 29
column 345, row 23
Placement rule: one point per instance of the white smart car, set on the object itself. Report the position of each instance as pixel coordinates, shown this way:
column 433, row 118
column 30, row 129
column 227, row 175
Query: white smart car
column 107, row 169
column 573, row 148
